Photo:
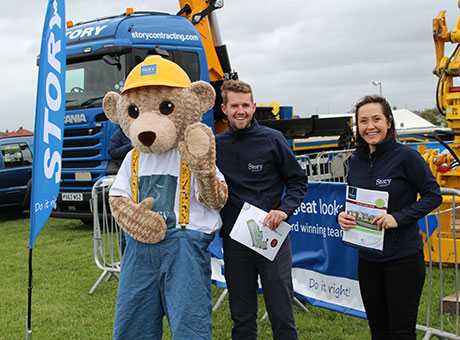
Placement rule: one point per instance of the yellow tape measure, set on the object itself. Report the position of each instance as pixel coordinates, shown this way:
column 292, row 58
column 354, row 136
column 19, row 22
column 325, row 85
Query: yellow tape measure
column 184, row 195
column 135, row 174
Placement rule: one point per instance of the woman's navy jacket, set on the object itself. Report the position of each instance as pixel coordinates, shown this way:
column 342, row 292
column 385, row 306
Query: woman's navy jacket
column 403, row 173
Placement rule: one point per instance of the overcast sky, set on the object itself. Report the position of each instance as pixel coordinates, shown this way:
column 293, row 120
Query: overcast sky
column 317, row 56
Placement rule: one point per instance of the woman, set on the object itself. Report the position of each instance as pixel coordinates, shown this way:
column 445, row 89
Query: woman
column 391, row 283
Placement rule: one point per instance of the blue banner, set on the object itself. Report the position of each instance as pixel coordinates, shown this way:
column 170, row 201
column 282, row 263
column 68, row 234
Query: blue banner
column 324, row 272
column 49, row 118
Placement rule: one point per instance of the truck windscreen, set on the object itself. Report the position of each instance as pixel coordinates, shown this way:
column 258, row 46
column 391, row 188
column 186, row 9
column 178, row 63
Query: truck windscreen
column 88, row 81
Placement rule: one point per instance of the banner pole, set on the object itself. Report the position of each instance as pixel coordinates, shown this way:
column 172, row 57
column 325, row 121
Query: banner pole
column 29, row 305
column 48, row 129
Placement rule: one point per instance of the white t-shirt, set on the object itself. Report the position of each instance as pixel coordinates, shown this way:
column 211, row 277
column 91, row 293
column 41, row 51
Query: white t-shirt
column 159, row 177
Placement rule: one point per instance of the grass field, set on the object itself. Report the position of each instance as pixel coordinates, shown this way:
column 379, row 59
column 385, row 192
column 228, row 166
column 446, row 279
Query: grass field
column 64, row 271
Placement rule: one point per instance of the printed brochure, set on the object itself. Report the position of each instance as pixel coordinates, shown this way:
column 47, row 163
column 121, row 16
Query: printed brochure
column 249, row 230
column 365, row 205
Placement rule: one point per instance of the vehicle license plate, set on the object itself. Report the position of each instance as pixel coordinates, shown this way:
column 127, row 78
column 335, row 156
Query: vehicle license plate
column 72, row 196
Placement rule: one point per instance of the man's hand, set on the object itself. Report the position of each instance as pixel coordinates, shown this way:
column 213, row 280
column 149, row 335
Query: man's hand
column 274, row 218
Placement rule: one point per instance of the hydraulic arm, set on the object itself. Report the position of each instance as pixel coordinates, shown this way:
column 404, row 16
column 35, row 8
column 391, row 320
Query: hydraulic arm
column 201, row 14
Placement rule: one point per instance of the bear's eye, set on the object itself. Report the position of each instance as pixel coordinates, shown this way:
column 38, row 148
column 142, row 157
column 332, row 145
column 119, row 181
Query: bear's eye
column 133, row 111
column 166, row 107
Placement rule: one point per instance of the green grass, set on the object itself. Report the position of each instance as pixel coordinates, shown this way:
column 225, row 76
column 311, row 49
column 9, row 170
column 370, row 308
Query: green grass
column 64, row 271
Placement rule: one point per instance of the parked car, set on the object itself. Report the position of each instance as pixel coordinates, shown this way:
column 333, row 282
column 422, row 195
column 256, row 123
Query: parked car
column 16, row 171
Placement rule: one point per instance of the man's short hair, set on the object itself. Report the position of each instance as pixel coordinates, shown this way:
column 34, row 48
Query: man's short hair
column 235, row 86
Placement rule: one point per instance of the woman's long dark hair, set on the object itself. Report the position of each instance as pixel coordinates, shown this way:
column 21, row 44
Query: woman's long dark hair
column 391, row 134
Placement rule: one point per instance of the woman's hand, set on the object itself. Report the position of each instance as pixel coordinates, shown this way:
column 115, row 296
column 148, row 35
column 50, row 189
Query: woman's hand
column 385, row 221
column 346, row 221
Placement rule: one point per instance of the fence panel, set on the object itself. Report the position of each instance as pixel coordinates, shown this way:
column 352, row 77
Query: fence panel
column 326, row 166
column 440, row 331
column 107, row 239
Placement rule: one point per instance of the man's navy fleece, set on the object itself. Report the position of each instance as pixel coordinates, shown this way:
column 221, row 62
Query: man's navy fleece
column 119, row 145
column 258, row 159
column 402, row 172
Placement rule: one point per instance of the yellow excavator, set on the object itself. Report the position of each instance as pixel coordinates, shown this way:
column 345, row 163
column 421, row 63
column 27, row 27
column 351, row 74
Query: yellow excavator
column 446, row 165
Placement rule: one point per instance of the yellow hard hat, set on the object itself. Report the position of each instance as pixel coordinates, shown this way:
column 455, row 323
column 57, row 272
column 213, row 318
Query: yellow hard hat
column 155, row 70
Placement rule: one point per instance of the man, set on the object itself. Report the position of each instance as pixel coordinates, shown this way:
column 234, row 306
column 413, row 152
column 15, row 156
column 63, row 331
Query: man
column 119, row 145
column 258, row 164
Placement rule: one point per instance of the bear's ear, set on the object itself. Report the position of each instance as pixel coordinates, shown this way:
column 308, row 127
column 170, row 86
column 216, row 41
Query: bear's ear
column 205, row 93
column 109, row 105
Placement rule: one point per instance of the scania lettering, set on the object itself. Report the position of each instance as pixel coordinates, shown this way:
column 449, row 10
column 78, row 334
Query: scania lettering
column 78, row 118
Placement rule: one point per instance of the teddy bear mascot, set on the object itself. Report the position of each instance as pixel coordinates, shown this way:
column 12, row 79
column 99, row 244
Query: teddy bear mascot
column 166, row 197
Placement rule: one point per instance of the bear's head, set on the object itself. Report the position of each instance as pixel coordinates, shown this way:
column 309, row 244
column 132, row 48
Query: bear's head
column 157, row 104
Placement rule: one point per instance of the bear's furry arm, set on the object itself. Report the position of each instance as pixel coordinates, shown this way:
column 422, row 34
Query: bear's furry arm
column 198, row 149
column 137, row 220
column 213, row 191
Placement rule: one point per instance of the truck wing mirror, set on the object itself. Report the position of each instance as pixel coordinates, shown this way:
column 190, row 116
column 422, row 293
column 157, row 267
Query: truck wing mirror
column 112, row 61
column 161, row 52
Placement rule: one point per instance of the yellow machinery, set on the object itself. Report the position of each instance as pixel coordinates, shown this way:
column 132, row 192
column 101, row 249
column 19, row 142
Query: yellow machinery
column 446, row 166
column 201, row 14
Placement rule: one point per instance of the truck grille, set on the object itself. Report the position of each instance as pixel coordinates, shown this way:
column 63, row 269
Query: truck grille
column 72, row 176
column 79, row 153
column 68, row 181
column 82, row 132
column 77, row 185
column 81, row 164
column 84, row 152
column 80, row 143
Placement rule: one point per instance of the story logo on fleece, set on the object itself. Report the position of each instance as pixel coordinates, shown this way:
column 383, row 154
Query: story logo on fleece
column 255, row 167
column 382, row 182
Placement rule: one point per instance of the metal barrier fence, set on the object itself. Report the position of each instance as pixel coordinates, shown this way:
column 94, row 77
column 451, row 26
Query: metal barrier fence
column 440, row 331
column 107, row 247
column 326, row 166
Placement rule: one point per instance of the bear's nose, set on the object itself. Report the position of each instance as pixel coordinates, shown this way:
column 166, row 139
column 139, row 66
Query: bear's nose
column 147, row 137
